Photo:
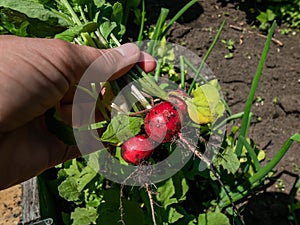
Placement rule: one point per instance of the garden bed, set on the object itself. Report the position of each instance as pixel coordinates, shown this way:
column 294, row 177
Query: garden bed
column 276, row 109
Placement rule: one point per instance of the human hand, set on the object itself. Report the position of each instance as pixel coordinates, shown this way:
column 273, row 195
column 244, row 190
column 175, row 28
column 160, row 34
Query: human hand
column 35, row 75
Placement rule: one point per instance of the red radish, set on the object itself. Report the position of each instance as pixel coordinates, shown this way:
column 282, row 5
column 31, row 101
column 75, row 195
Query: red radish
column 137, row 149
column 176, row 97
column 163, row 122
column 179, row 104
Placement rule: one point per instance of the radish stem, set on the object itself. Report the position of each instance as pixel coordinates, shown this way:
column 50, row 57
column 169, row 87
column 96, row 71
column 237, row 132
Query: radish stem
column 151, row 203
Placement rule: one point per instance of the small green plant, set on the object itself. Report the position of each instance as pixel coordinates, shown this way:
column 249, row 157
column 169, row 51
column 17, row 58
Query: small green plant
column 229, row 44
column 265, row 18
column 287, row 12
column 280, row 185
column 275, row 101
column 259, row 100
column 285, row 31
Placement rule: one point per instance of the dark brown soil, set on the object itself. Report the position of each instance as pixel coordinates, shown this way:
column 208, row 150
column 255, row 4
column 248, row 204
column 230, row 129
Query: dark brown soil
column 276, row 112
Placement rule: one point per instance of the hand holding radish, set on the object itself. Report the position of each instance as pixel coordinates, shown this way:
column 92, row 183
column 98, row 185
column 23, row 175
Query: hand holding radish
column 35, row 75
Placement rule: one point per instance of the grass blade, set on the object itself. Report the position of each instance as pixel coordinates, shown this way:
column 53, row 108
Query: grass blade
column 156, row 37
column 251, row 152
column 182, row 72
column 275, row 160
column 245, row 119
column 205, row 57
column 158, row 69
column 227, row 120
column 177, row 16
column 245, row 189
column 143, row 13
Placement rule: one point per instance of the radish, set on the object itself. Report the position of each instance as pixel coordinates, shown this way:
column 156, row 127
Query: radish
column 176, row 97
column 137, row 149
column 163, row 122
column 179, row 103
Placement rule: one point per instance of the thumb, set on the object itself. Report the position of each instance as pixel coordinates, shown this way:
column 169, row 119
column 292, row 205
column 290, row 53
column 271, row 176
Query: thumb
column 106, row 64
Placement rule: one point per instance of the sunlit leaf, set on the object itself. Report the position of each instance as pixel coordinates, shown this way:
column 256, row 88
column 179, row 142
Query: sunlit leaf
column 228, row 160
column 166, row 193
column 121, row 128
column 84, row 216
column 213, row 218
column 72, row 32
column 205, row 106
column 68, row 189
column 174, row 215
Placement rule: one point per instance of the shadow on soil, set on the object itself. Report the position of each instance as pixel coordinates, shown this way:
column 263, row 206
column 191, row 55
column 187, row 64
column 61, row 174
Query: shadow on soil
column 271, row 207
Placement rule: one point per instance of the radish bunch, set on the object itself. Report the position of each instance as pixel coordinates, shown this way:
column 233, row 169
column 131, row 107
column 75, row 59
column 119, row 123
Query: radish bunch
column 162, row 124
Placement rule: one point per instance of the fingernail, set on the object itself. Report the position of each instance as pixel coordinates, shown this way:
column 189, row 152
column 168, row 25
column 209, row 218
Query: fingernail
column 128, row 50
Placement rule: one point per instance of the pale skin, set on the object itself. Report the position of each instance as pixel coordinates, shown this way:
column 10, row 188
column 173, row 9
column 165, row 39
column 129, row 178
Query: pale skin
column 36, row 75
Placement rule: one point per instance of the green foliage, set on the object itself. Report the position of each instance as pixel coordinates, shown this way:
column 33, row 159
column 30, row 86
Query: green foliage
column 228, row 160
column 213, row 218
column 84, row 216
column 71, row 33
column 287, row 12
column 229, row 44
column 89, row 197
column 206, row 105
column 121, row 128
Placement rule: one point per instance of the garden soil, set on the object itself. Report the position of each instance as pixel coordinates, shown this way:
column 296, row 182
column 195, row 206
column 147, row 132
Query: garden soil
column 276, row 110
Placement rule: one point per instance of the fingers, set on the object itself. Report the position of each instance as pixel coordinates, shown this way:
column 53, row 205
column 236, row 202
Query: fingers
column 147, row 62
column 107, row 65
column 110, row 64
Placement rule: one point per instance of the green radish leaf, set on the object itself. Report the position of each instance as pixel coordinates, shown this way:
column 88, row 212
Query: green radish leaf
column 206, row 105
column 84, row 216
column 121, row 128
column 174, row 215
column 72, row 170
column 109, row 213
column 72, row 32
column 17, row 23
column 68, row 189
column 34, row 9
column 228, row 160
column 262, row 17
column 99, row 3
column 270, row 15
column 181, row 186
column 166, row 193
column 86, row 176
column 117, row 14
column 213, row 218
column 107, row 27
column 71, row 188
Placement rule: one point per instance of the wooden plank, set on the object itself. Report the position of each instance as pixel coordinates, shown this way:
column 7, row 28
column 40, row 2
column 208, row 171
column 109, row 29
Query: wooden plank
column 30, row 202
